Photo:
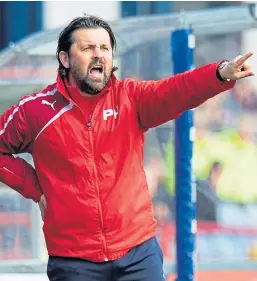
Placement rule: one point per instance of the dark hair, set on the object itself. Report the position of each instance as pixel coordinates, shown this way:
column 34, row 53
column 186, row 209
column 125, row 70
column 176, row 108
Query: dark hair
column 216, row 164
column 65, row 39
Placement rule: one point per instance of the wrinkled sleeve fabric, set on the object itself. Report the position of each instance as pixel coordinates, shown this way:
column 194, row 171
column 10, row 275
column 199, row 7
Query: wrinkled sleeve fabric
column 160, row 101
column 14, row 139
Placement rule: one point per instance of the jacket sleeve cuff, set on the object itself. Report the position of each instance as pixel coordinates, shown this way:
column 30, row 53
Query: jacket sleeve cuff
column 33, row 190
column 218, row 86
column 36, row 195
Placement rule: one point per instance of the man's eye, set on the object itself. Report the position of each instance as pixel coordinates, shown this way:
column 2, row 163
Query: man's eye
column 105, row 48
column 87, row 48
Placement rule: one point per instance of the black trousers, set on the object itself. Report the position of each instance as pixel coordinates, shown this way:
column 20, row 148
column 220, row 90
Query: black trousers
column 142, row 263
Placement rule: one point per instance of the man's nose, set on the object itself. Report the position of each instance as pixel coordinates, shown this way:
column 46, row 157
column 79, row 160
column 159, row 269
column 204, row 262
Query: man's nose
column 97, row 52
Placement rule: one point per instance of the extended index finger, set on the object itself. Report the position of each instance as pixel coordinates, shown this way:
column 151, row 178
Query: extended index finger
column 242, row 59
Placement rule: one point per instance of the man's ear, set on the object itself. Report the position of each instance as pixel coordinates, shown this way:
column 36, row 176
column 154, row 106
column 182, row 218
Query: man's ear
column 64, row 58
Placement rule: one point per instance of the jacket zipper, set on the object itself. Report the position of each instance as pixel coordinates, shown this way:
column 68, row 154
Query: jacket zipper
column 90, row 125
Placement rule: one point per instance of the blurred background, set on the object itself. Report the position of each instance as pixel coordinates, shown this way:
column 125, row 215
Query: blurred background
column 225, row 150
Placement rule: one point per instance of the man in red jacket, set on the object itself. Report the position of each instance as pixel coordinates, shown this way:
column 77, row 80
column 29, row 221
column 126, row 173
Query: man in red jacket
column 85, row 133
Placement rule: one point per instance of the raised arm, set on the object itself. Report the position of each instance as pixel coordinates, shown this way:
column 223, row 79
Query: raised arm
column 160, row 101
column 14, row 139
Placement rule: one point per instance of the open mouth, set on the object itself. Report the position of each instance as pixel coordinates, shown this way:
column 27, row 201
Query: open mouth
column 97, row 69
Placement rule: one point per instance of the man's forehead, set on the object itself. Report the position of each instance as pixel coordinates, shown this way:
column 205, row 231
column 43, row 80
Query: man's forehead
column 91, row 35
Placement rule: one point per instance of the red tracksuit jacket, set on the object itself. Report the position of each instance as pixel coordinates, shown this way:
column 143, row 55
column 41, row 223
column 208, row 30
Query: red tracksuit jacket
column 90, row 168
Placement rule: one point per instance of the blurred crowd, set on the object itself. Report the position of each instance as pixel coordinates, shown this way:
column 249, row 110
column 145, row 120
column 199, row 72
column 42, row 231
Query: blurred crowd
column 224, row 165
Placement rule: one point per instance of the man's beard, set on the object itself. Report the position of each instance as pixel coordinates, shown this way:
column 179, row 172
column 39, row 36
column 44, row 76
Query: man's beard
column 85, row 84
